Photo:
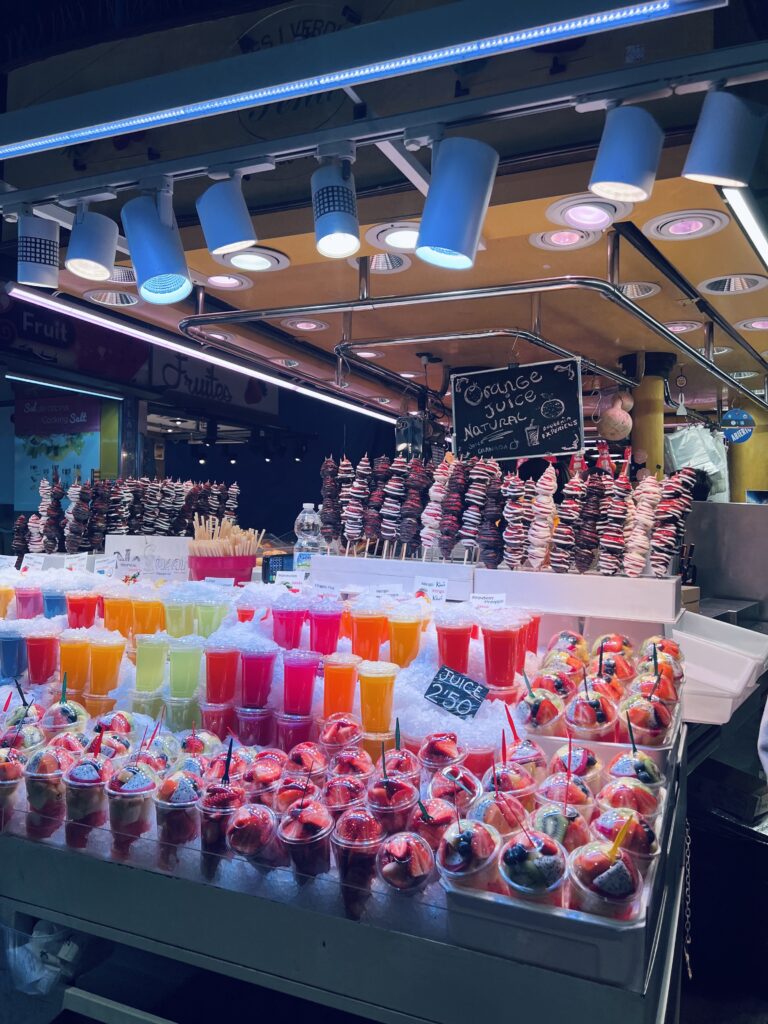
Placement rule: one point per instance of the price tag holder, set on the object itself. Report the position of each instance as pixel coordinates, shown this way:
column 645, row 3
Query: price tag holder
column 32, row 561
column 104, row 565
column 76, row 561
column 290, row 578
column 456, row 693
column 435, row 589
column 389, row 590
column 484, row 602
column 8, row 561
column 221, row 581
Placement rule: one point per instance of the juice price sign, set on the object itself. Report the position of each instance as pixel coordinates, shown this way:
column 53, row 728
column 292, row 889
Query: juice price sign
column 456, row 693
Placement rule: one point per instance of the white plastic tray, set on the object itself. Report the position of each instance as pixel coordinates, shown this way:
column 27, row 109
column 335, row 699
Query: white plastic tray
column 373, row 572
column 747, row 642
column 712, row 706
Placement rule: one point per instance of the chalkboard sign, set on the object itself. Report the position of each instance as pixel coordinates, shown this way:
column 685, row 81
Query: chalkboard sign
column 520, row 411
column 456, row 693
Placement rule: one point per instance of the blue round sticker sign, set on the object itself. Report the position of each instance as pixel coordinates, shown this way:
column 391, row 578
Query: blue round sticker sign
column 738, row 426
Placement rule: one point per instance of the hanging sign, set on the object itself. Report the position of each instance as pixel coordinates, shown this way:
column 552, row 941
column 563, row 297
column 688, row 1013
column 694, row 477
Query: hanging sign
column 456, row 693
column 519, row 411
column 738, row 426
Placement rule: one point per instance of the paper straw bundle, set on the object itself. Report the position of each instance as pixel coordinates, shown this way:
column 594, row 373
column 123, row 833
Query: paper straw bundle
column 223, row 539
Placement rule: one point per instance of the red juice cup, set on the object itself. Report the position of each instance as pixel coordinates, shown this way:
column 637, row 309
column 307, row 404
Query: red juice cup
column 324, row 625
column 81, row 608
column 288, row 614
column 86, row 797
column 292, row 729
column 42, row 658
column 252, row 833
column 457, row 785
column 401, row 762
column 405, row 863
column 221, row 665
column 356, row 840
column 532, row 632
column 305, row 829
column 341, row 792
column 430, row 819
column 258, row 666
column 502, row 639
column 338, row 731
column 299, row 671
column 392, row 800
column 454, row 625
column 245, row 614
column 29, row 602
column 468, row 856
column 255, row 726
column 604, row 883
column 218, row 719
column 533, row 866
column 177, row 812
column 130, row 792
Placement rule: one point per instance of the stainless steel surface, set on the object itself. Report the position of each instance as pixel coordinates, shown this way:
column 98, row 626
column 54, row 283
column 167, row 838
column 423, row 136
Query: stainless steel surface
column 731, row 554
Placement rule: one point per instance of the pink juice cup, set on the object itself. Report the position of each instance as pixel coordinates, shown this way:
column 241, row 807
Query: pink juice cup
column 292, row 729
column 218, row 719
column 299, row 671
column 255, row 726
column 29, row 602
column 324, row 626
column 221, row 665
column 288, row 614
column 42, row 658
column 258, row 667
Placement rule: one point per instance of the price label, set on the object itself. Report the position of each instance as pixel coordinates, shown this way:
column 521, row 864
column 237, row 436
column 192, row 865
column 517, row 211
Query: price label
column 8, row 561
column 292, row 579
column 483, row 602
column 221, row 581
column 104, row 565
column 76, row 561
column 436, row 590
column 32, row 561
column 326, row 589
column 456, row 693
column 389, row 590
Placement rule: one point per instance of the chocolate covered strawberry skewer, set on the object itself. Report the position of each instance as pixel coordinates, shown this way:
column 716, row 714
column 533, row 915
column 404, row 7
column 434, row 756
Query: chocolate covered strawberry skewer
column 514, row 532
column 430, row 517
column 540, row 530
column 452, row 508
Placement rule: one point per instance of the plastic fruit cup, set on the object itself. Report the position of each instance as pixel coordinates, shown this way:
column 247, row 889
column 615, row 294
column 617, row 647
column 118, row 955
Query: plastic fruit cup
column 218, row 719
column 252, row 833
column 292, row 729
column 457, row 785
column 13, row 655
column 97, row 704
column 106, row 656
column 42, row 658
column 255, row 726
column 151, row 655
column 177, row 823
column 439, row 750
column 45, row 798
column 368, row 630
column 142, row 703
column 86, row 809
column 402, row 762
column 287, row 624
column 453, row 646
column 299, row 671
column 631, row 794
column 392, row 801
column 651, row 720
column 639, row 842
column 221, row 665
column 324, row 625
column 118, row 615
column 440, row 815
column 468, row 856
column 305, row 829
column 342, row 792
column 631, row 764
column 81, row 609
column 338, row 731
column 75, row 661
column 148, row 616
column 185, row 656
column 54, row 603
column 377, row 689
column 589, row 890
column 557, row 789
column 514, row 779
column 8, row 790
column 356, row 841
column 262, row 777
column 258, row 668
column 179, row 619
column 581, row 714
column 541, row 714
column 566, row 824
column 404, row 636
column 502, row 810
column 405, row 863
column 217, row 809
column 339, row 682
column 29, row 602
column 182, row 713
column 130, row 817
column 533, row 867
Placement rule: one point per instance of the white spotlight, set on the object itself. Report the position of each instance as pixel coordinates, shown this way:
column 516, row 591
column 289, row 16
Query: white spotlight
column 334, row 204
column 37, row 261
column 224, row 217
column 92, row 245
column 628, row 156
column 156, row 249
column 726, row 141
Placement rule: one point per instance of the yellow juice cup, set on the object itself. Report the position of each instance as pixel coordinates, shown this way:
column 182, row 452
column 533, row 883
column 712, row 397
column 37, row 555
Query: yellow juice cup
column 6, row 596
column 118, row 615
column 148, row 615
column 404, row 634
column 339, row 681
column 377, row 689
column 106, row 656
column 75, row 661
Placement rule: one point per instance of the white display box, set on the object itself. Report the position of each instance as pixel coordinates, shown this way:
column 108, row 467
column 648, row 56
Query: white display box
column 747, row 642
column 644, row 599
column 712, row 706
column 375, row 572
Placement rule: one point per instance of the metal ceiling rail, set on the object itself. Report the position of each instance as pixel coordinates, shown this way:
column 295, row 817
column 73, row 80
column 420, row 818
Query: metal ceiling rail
column 532, row 287
column 729, row 66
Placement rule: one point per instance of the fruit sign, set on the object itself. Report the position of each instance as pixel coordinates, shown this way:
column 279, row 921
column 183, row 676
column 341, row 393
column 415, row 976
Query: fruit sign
column 456, row 693
column 519, row 412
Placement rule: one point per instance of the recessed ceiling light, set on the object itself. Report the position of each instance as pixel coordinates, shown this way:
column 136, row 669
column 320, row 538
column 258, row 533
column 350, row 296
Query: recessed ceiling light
column 123, row 275
column 267, row 458
column 368, row 355
column 718, row 350
column 384, row 401
column 587, row 212
column 257, row 259
column 639, row 289
column 384, row 263
column 111, row 298
column 289, row 364
column 233, row 462
column 733, row 284
column 685, row 224
column 743, row 374
column 759, row 323
column 398, row 236
column 565, row 238
column 409, row 376
column 201, row 462
column 303, row 323
column 210, row 334
column 169, row 430
column 228, row 282
column 683, row 326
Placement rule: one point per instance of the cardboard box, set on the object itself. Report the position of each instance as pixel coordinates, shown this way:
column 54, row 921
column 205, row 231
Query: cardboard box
column 728, row 789
column 691, row 597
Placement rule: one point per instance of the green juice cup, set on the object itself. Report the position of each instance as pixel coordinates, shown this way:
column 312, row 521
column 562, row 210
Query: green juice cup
column 185, row 656
column 179, row 618
column 210, row 616
column 151, row 655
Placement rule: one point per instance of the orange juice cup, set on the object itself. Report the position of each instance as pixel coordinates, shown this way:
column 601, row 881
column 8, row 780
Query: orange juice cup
column 6, row 596
column 118, row 615
column 405, row 633
column 75, row 661
column 97, row 704
column 377, row 689
column 106, row 656
column 339, row 681
column 369, row 628
column 148, row 615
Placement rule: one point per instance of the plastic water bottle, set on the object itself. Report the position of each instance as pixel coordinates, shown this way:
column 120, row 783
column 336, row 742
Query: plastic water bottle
column 308, row 540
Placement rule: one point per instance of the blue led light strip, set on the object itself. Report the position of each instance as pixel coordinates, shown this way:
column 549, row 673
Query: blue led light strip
column 620, row 17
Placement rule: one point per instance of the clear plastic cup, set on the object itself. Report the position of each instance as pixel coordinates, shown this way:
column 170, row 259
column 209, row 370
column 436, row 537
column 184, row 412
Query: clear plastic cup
column 438, row 750
column 583, row 762
column 288, row 614
column 292, row 729
column 262, row 776
column 503, row 637
column 324, row 625
column 299, row 671
column 564, row 823
column 29, row 602
column 468, row 856
column 338, row 731
column 513, row 778
column 148, row 615
column 181, row 713
column 118, row 614
column 106, row 657
column 185, row 656
column 13, row 655
column 339, row 682
column 256, row 726
column 81, row 608
column 405, row 621
column 534, row 868
column 151, row 656
column 75, row 660
column 217, row 809
column 218, row 719
column 369, row 628
column 602, row 886
column 639, row 841
column 392, row 800
column 42, row 658
column 430, row 819
column 252, row 833
column 650, row 717
column 356, row 841
column 210, row 615
column 130, row 792
column 258, row 666
column 456, row 784
column 373, row 742
column 351, row 761
column 405, row 863
column 592, row 717
column 400, row 762
column 502, row 810
column 305, row 829
column 144, row 703
column 377, row 689
column 540, row 713
column 177, row 811
column 86, row 797
column 454, row 624
column 179, row 618
column 630, row 793
column 7, row 594
column 98, row 704
column 561, row 788
column 54, row 603
column 341, row 792
column 221, row 666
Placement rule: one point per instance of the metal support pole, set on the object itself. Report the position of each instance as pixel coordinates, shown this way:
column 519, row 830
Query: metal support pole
column 364, row 277
column 199, row 299
column 614, row 242
column 536, row 313
column 709, row 340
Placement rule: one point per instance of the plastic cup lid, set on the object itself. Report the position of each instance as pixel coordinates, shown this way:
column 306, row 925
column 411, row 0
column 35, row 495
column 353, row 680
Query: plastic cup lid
column 456, row 615
column 340, row 658
column 291, row 602
column 377, row 668
column 407, row 611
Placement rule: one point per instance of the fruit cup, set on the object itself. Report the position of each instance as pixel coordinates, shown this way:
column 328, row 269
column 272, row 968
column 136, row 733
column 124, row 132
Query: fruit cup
column 63, row 716
column 218, row 719
column 561, row 788
column 307, row 758
column 54, row 603
column 106, row 657
column 12, row 763
column 405, row 863
column 405, row 622
column 81, row 608
column 130, row 792
column 255, row 726
column 199, row 741
column 324, row 625
column 44, row 778
column 339, row 682
column 430, row 819
column 181, row 713
column 262, row 776
column 533, row 866
column 400, row 762
column 369, row 626
column 468, row 856
column 502, row 810
column 29, row 602
column 151, row 655
column 636, row 764
column 569, row 642
column 222, row 662
column 454, row 625
column 650, row 717
column 148, row 615
column 292, row 729
column 217, row 808
column 338, row 731
column 456, row 784
column 42, row 658
column 541, row 713
column 356, row 840
column 85, row 789
column 185, row 655
column 604, row 882
column 580, row 761
column 631, row 794
column 74, row 660
column 564, row 823
column 13, row 654
column 612, row 643
column 299, row 671
column 258, row 666
column 377, row 688
column 177, row 812
column 342, row 792
column 288, row 614
column 252, row 833
column 439, row 750
column 639, row 839
column 305, row 829
column 513, row 778
column 529, row 754
column 351, row 761
column 392, row 799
